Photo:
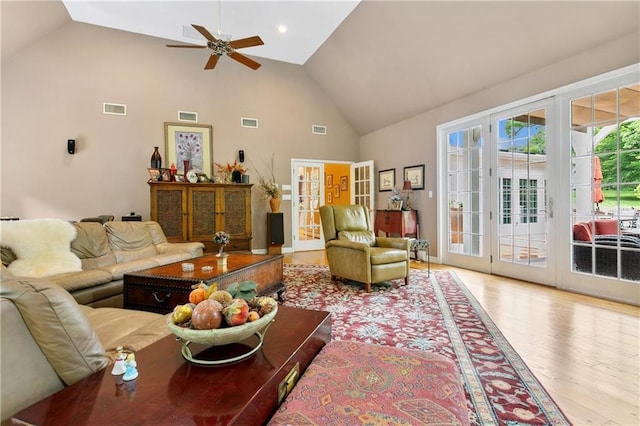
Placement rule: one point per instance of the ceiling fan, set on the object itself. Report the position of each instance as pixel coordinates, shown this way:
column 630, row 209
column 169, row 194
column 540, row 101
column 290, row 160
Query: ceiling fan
column 221, row 46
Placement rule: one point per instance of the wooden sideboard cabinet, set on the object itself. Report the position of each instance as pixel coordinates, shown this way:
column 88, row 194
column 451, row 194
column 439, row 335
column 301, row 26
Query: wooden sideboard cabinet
column 397, row 223
column 196, row 211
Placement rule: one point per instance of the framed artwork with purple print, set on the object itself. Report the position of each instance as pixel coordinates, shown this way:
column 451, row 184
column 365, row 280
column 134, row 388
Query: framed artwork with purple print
column 189, row 142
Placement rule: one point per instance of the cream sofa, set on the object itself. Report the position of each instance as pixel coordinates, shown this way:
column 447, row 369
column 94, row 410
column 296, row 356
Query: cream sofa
column 49, row 341
column 88, row 259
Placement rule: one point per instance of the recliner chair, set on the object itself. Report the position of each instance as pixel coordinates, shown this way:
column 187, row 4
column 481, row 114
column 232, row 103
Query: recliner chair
column 356, row 253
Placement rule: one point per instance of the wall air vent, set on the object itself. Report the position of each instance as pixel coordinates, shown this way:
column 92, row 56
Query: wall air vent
column 114, row 109
column 317, row 129
column 188, row 116
column 249, row 122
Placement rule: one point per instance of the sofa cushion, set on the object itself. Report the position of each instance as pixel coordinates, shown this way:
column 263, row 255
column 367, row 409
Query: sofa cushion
column 91, row 245
column 605, row 226
column 119, row 269
column 130, row 241
column 42, row 247
column 366, row 237
column 133, row 330
column 156, row 232
column 58, row 325
column 582, row 232
column 21, row 387
column 73, row 281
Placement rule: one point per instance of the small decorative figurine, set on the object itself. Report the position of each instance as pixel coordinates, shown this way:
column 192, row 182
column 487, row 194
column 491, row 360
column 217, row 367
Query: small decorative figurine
column 119, row 367
column 131, row 368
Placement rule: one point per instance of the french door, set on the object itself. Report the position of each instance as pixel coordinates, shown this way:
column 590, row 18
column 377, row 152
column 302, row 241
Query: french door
column 306, row 198
column 522, row 193
column 463, row 214
column 497, row 214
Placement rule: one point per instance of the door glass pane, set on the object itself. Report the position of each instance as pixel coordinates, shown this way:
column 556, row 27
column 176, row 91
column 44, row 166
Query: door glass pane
column 309, row 196
column 464, row 162
column 522, row 181
column 605, row 186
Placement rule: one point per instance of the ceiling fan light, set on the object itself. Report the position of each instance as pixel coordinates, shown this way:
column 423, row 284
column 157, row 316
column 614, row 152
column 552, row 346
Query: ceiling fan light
column 224, row 37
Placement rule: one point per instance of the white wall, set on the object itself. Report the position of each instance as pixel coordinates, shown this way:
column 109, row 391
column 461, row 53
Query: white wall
column 54, row 90
column 413, row 141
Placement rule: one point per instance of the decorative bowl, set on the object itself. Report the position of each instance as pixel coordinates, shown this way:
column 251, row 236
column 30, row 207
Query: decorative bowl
column 223, row 335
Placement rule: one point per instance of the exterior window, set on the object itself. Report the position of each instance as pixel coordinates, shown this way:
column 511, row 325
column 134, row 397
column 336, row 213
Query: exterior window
column 529, row 200
column 506, row 201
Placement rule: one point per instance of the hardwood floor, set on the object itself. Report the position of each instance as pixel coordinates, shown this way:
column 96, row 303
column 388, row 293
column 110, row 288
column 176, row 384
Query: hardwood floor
column 584, row 350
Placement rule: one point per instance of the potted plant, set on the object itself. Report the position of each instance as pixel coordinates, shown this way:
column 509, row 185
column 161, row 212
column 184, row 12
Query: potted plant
column 267, row 183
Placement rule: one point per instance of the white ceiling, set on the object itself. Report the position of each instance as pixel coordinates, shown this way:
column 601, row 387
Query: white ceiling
column 380, row 62
column 308, row 23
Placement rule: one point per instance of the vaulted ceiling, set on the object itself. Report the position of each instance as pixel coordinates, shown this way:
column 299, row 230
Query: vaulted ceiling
column 384, row 61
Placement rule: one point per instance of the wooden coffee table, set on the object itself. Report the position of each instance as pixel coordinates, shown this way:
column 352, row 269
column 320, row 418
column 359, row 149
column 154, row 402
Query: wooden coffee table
column 160, row 289
column 170, row 390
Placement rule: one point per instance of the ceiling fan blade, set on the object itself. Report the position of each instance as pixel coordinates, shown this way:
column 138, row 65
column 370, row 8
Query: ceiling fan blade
column 211, row 63
column 189, row 46
column 204, row 32
column 245, row 60
column 246, row 42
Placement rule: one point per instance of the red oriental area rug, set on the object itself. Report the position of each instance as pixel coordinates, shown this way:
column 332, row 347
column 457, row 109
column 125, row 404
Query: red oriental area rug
column 434, row 313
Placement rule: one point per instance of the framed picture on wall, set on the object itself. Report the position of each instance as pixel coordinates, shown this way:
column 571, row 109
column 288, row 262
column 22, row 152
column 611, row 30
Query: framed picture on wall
column 329, row 197
column 336, row 191
column 189, row 142
column 415, row 175
column 386, row 180
column 344, row 183
column 329, row 181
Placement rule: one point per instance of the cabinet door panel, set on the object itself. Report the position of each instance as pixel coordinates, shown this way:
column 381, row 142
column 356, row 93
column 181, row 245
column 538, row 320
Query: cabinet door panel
column 236, row 218
column 170, row 212
column 204, row 220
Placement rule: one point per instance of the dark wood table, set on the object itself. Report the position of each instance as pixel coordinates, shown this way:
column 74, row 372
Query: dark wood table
column 160, row 289
column 170, row 390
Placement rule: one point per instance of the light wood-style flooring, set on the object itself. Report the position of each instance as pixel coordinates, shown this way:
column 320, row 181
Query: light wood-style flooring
column 584, row 350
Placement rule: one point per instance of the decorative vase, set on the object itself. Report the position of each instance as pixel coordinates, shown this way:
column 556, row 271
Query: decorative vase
column 236, row 177
column 186, row 169
column 274, row 202
column 222, row 259
column 156, row 159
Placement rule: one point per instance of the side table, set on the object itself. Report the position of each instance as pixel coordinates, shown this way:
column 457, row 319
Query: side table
column 417, row 245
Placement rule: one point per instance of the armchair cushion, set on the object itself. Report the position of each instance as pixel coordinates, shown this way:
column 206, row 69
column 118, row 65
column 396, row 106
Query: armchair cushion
column 366, row 237
column 383, row 256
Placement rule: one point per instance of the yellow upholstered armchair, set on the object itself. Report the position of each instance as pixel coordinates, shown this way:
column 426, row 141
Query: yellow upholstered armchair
column 354, row 252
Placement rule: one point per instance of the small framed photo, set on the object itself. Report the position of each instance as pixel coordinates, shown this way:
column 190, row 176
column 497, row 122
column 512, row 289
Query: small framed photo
column 179, row 178
column 336, row 191
column 154, row 174
column 344, row 183
column 329, row 181
column 415, row 175
column 329, row 197
column 386, row 180
column 166, row 175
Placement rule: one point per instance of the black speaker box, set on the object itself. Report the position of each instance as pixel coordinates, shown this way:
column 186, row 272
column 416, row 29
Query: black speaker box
column 275, row 228
column 241, row 156
column 71, row 146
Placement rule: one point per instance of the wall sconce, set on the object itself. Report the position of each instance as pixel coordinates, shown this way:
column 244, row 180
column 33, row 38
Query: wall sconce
column 406, row 195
